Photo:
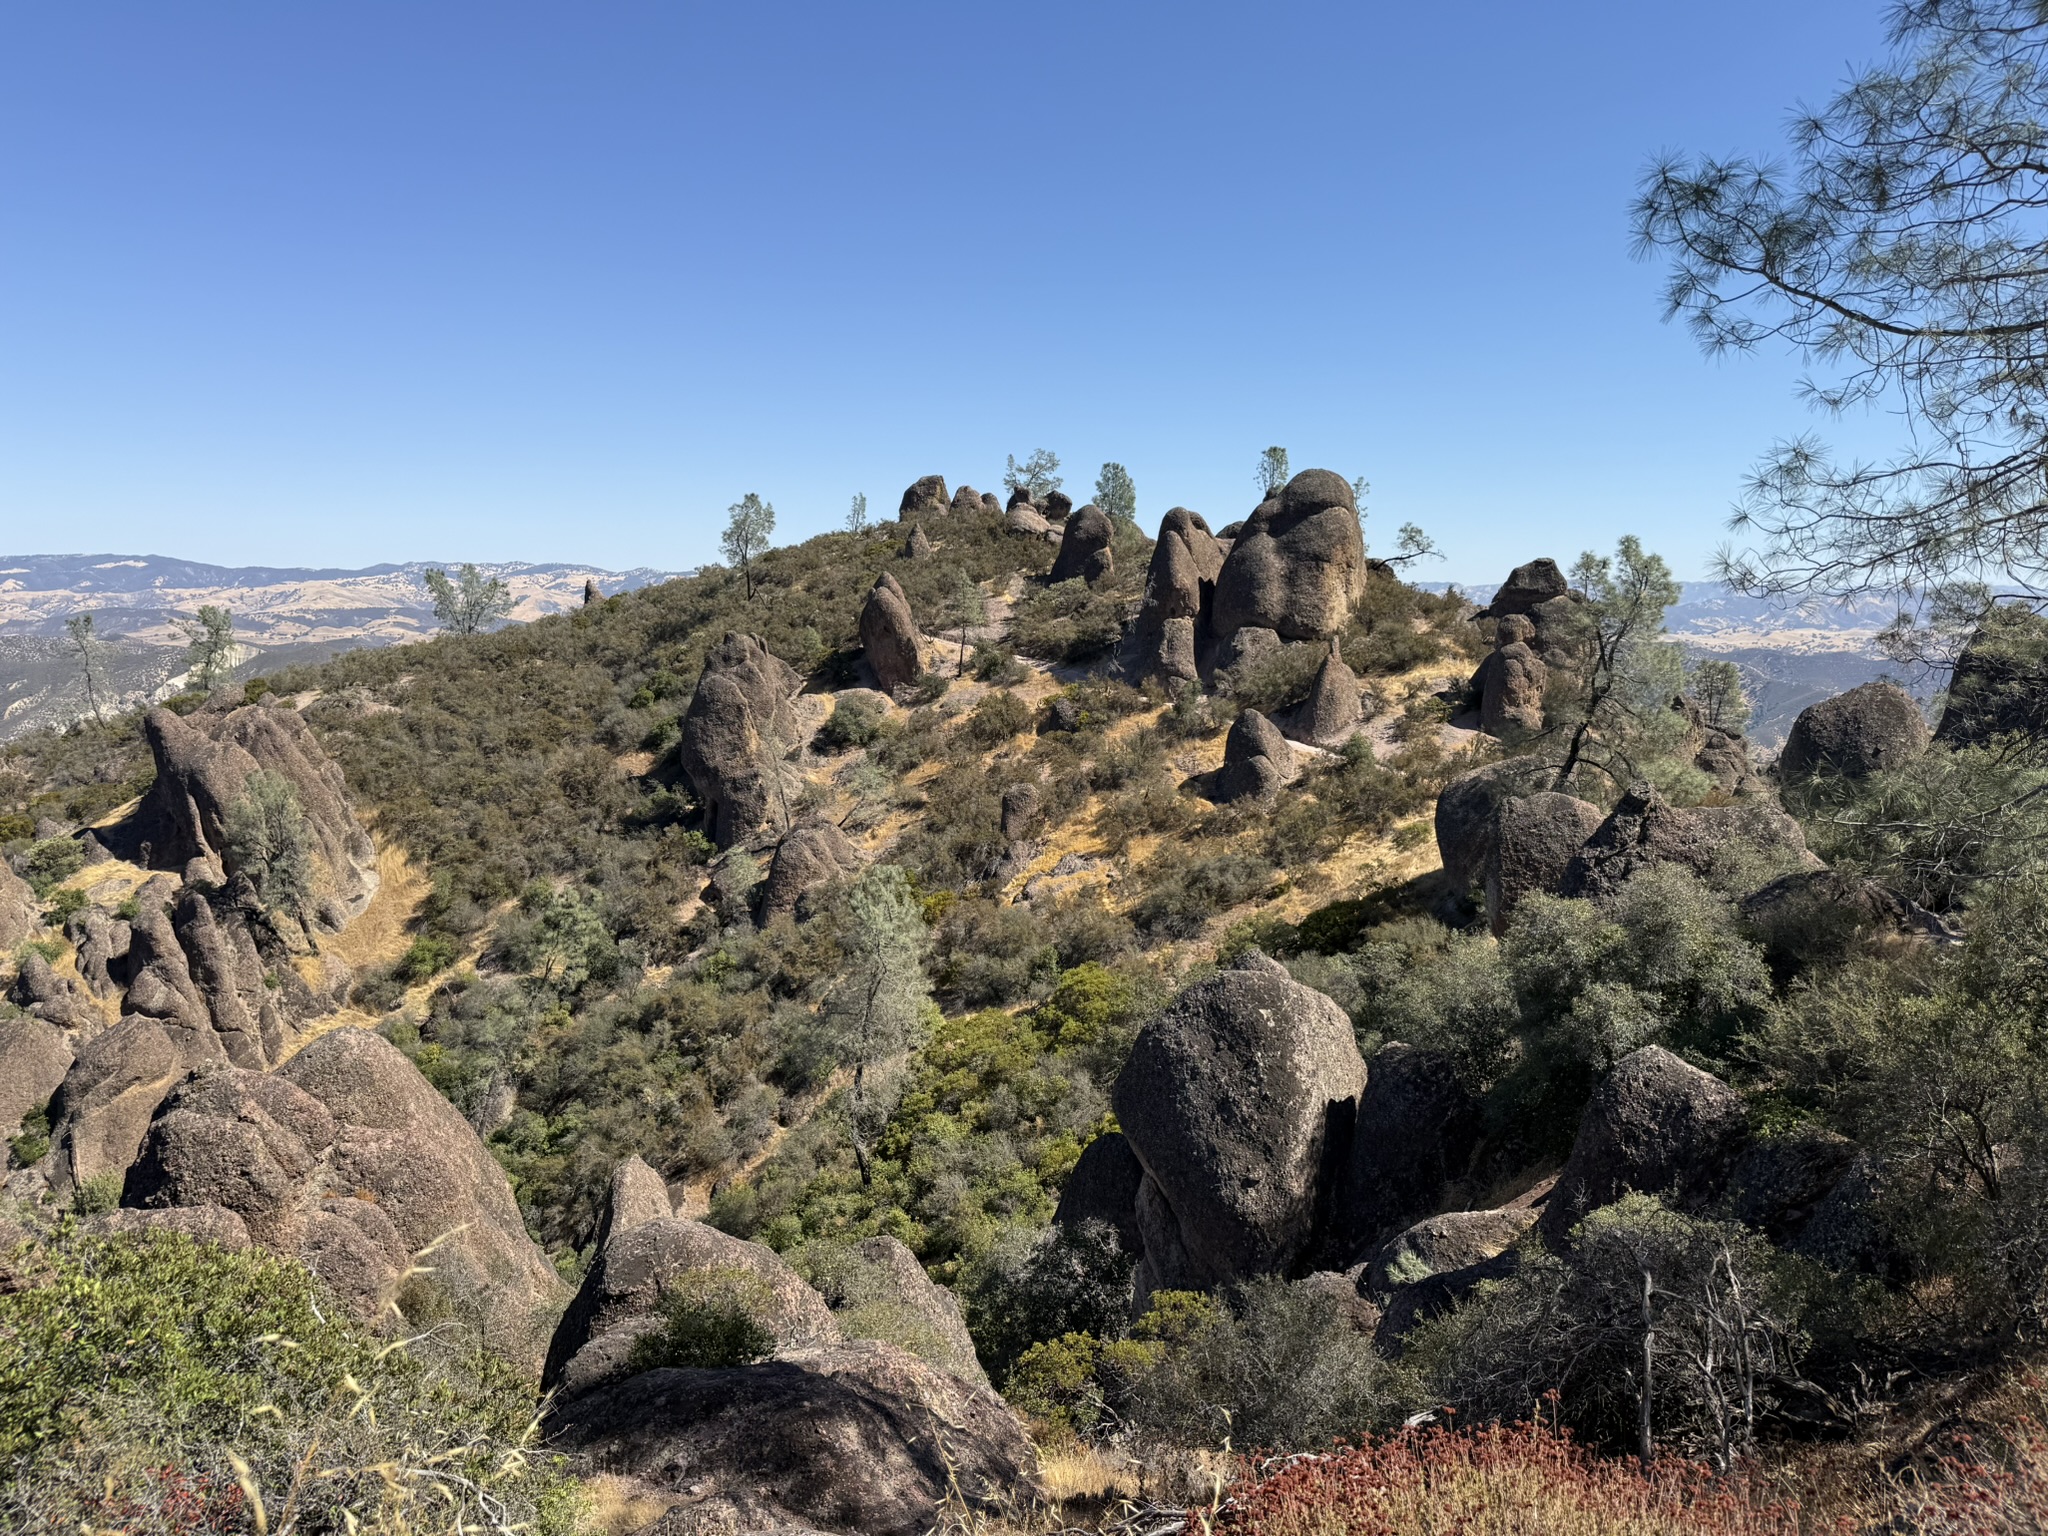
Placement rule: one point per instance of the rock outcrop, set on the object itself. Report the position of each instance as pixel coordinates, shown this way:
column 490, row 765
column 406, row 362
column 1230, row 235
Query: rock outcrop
column 888, row 635
column 1257, row 760
column 1104, row 1187
column 1027, row 520
column 1644, row 829
column 34, row 1058
column 814, row 854
column 1535, row 839
column 925, row 497
column 1654, row 1126
column 203, row 765
column 966, row 500
column 43, row 994
column 1084, row 548
column 1855, row 734
column 1180, row 592
column 1333, row 711
column 888, row 1289
column 1527, row 588
column 919, row 545
column 1416, row 1130
column 1441, row 1245
column 859, row 1436
column 620, row 1299
column 2000, row 683
column 102, row 1109
column 1238, row 1102
column 19, row 909
column 1057, row 506
column 735, row 733
column 1511, row 688
column 1298, row 568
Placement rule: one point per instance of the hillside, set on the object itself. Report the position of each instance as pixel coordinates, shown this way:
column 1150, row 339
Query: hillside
column 1153, row 978
column 283, row 617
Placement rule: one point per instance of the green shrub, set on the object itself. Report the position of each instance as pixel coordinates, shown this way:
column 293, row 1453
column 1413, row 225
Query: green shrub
column 1184, row 891
column 51, row 862
column 1275, row 681
column 856, row 720
column 429, row 955
column 16, row 827
column 63, row 904
column 710, row 1319
column 97, row 1195
column 32, row 1142
column 995, row 718
column 1068, row 622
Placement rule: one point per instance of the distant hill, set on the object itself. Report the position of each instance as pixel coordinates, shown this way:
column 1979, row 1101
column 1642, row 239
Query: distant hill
column 284, row 616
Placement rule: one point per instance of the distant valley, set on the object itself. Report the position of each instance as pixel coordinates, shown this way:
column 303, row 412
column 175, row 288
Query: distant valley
column 283, row 616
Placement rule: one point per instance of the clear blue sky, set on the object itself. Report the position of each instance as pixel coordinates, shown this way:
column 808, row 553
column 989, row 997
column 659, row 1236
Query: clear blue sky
column 334, row 283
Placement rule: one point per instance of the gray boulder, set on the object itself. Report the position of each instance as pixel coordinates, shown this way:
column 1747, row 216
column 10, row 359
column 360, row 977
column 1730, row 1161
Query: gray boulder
column 1026, row 520
column 859, row 1436
column 919, row 545
column 1298, row 568
column 20, row 912
column 1020, row 811
column 1644, row 829
column 1782, row 1181
column 201, row 1223
column 102, row 947
column 55, row 999
column 1415, row 1133
column 1057, row 506
column 35, row 1056
column 888, row 635
column 620, row 1299
column 2000, row 683
column 1104, row 1187
column 735, row 733
column 1333, row 711
column 925, row 497
column 1440, row 1245
column 102, row 1109
column 1527, row 588
column 1257, row 761
column 966, row 500
column 1180, row 590
column 1654, row 1126
column 1855, row 734
column 814, row 854
column 1238, row 1101
column 1084, row 548
column 1535, row 838
column 1465, row 812
column 990, row 504
column 1019, row 497
column 880, row 1291
column 1511, row 689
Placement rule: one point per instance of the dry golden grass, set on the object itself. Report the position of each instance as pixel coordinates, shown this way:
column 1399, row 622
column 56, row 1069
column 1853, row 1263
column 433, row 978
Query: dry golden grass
column 380, row 935
column 1086, row 1473
column 618, row 1506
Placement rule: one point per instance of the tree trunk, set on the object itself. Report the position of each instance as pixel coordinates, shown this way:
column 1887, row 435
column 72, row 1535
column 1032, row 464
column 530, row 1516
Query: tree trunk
column 1646, row 1446
column 860, row 1151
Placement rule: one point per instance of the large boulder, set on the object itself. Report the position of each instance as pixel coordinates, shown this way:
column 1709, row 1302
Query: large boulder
column 1416, row 1131
column 814, row 854
column 1645, row 829
column 402, row 1147
column 1511, row 687
column 1298, row 567
column 1441, row 1245
column 2000, row 683
column 880, row 1291
column 1257, row 761
column 620, row 1300
column 888, row 635
column 102, row 1109
column 1238, row 1102
column 35, row 1056
column 1057, row 506
column 1527, row 588
column 102, row 947
column 20, row 912
column 735, row 733
column 1028, row 521
column 1654, row 1126
column 1535, row 838
column 55, row 999
column 856, row 1437
column 919, row 545
column 1854, row 734
column 1180, row 589
column 925, row 497
column 1104, row 1187
column 1466, row 809
column 203, row 764
column 1084, row 548
column 1333, row 711
column 965, row 500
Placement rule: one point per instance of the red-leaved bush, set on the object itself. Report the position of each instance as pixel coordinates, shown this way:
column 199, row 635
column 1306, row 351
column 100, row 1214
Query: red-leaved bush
column 1522, row 1480
column 175, row 1502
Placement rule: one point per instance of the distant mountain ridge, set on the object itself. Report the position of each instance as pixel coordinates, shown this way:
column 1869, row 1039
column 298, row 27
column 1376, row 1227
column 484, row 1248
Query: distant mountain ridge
column 283, row 615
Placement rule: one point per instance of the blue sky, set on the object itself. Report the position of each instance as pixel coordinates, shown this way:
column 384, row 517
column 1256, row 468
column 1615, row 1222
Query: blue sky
column 333, row 284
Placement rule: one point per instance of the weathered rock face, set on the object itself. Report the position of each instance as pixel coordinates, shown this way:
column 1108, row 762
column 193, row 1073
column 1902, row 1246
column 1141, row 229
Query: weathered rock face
column 1440, row 1245
column 813, row 855
column 1795, row 908
column 1854, row 734
column 620, row 1299
column 990, row 504
column 34, row 1058
column 1723, row 756
column 926, row 497
column 966, row 501
column 1019, row 497
column 1535, row 838
column 102, row 943
column 1527, row 588
column 2000, row 683
column 1298, row 568
column 1238, row 1102
column 1020, row 811
column 919, row 545
column 1782, row 1181
column 1026, row 520
column 893, row 1282
column 1180, row 591
column 1644, row 829
column 1256, row 759
column 1084, row 548
column 1511, row 692
column 1104, row 1187
column 1416, row 1130
column 19, row 910
column 1332, row 713
column 638, row 1195
column 888, row 635
column 103, row 1108
column 1655, row 1126
column 1057, row 506
column 735, row 733
column 55, row 999
column 1465, row 814
column 409, row 1152
column 203, row 764
column 860, row 1436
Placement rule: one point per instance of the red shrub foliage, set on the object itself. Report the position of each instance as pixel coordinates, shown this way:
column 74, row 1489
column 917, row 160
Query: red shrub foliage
column 178, row 1503
column 1523, row 1480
